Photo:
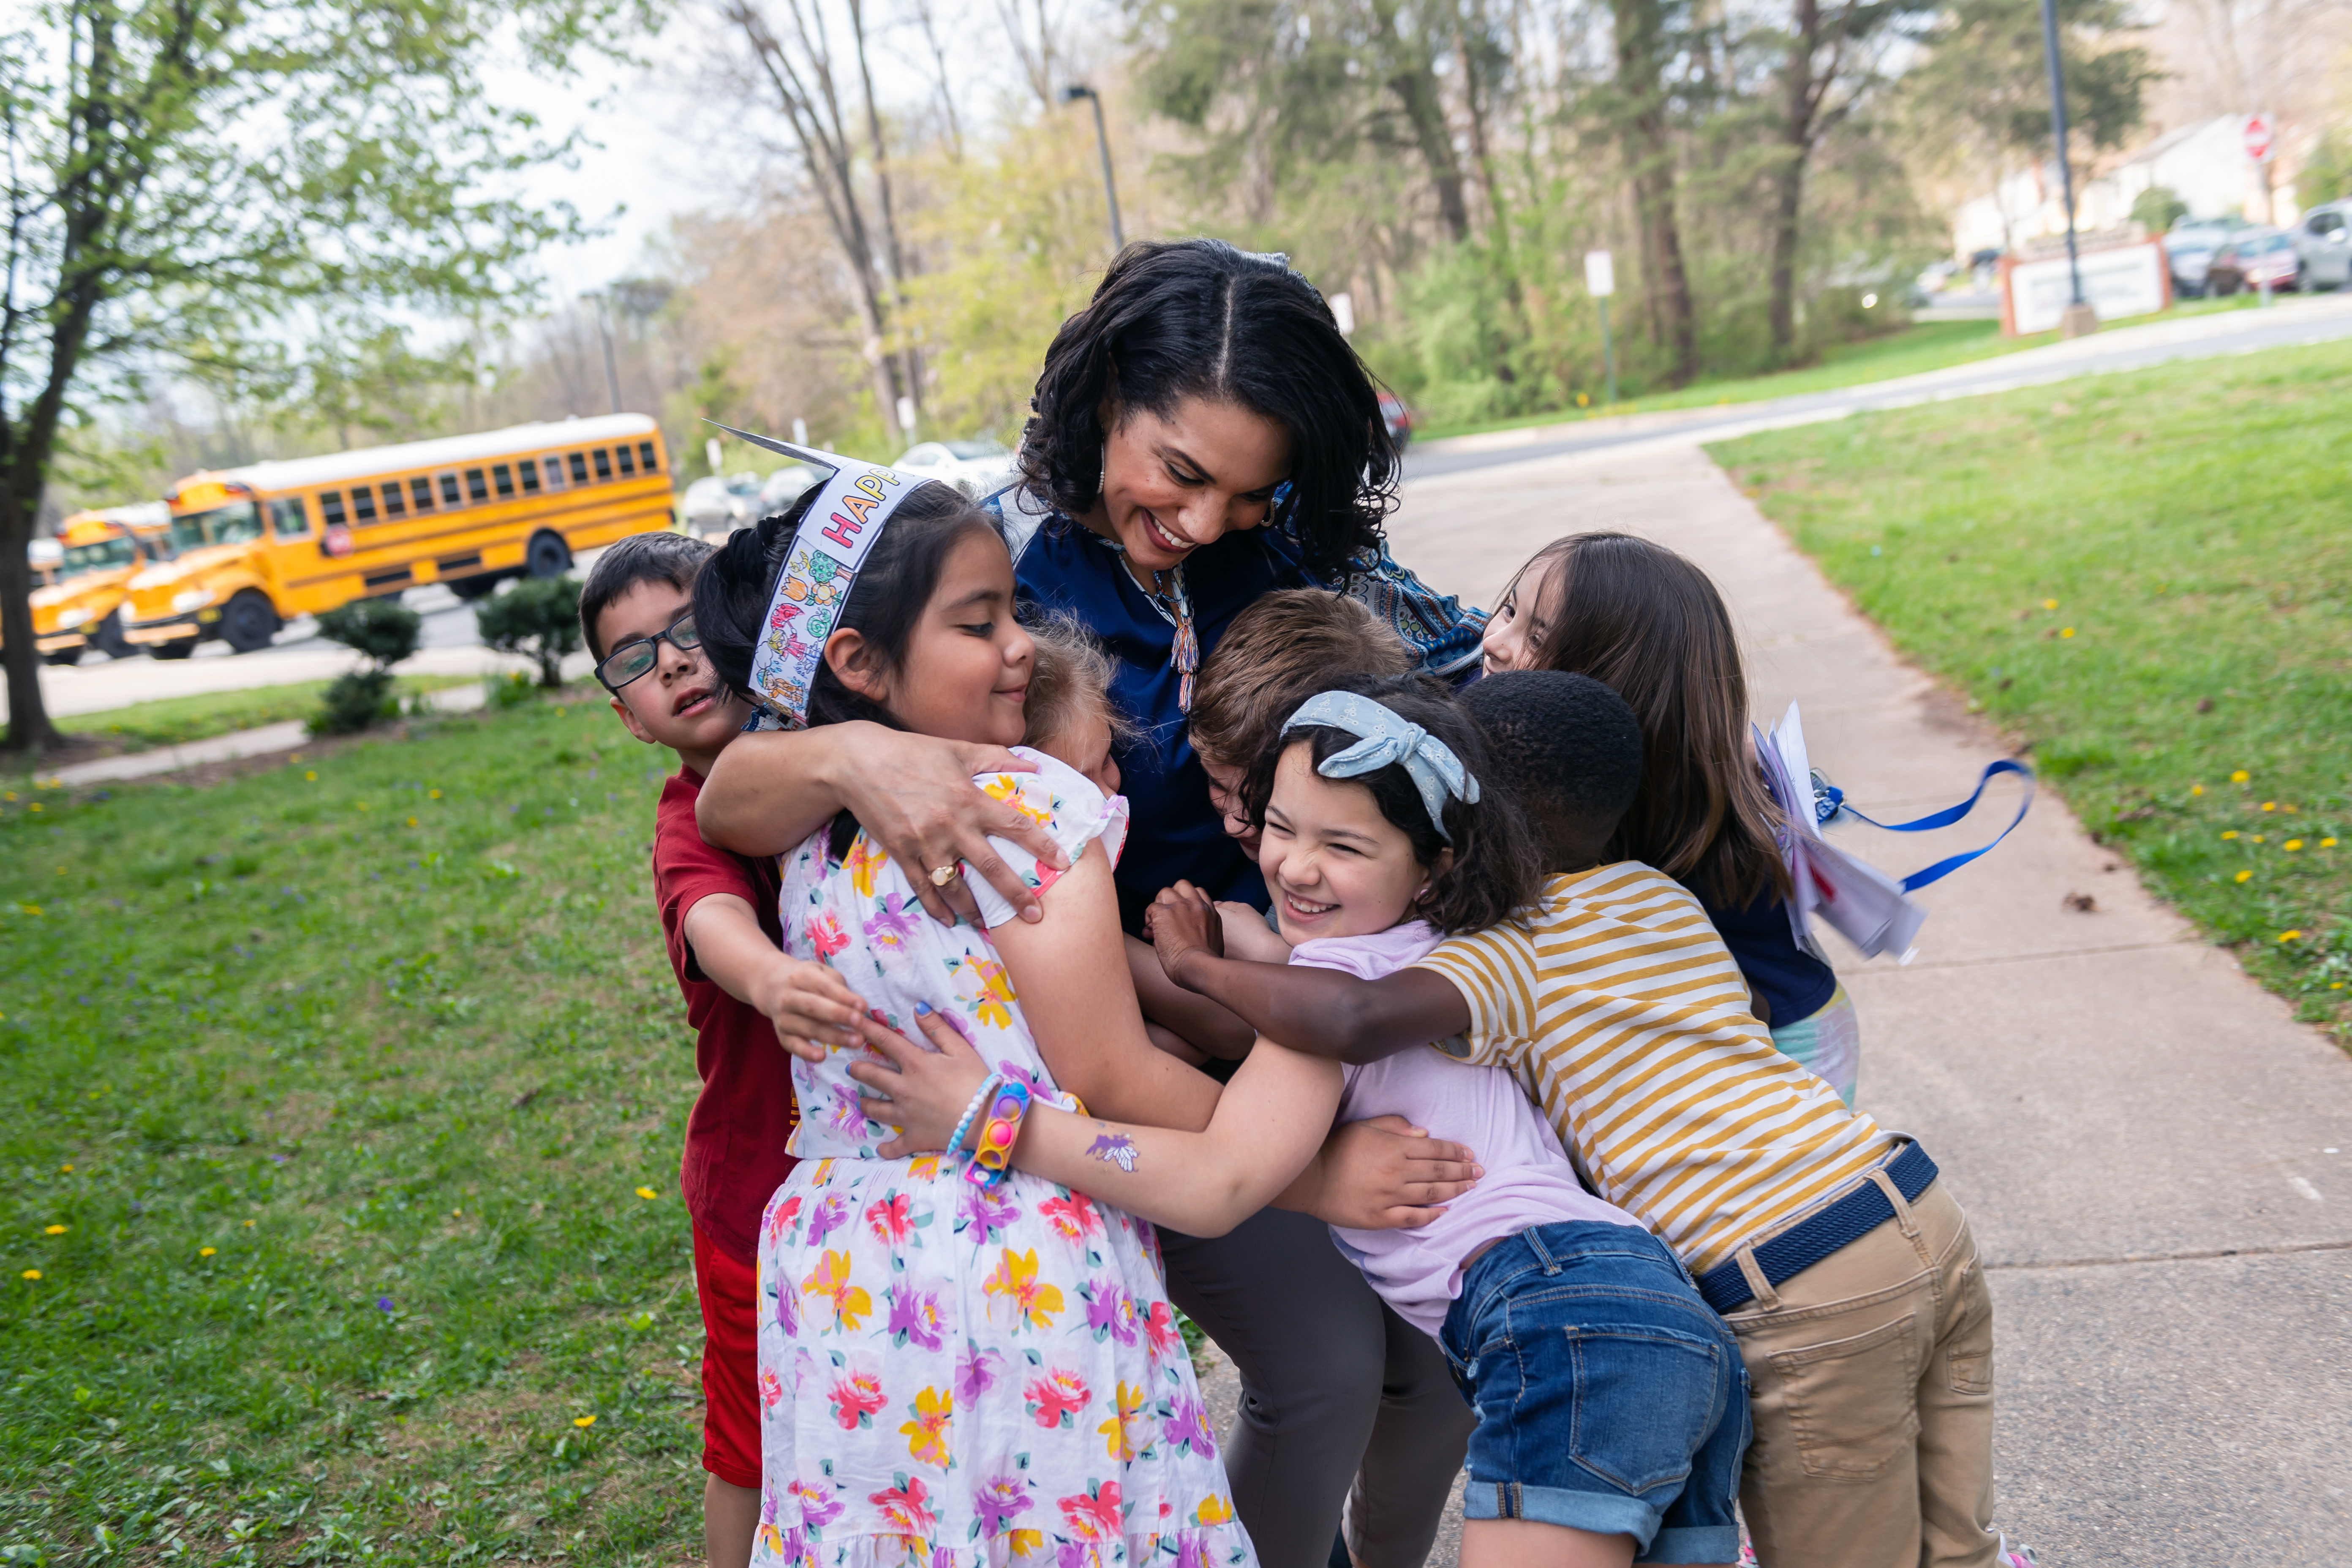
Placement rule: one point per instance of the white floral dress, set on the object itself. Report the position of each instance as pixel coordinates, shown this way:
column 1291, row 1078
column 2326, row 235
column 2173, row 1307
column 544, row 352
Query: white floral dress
column 950, row 1376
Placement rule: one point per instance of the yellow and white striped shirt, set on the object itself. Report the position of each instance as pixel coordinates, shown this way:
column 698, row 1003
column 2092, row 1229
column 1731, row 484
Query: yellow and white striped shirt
column 1622, row 1014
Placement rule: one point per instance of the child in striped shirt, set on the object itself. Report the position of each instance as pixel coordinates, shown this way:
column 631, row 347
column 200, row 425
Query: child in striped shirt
column 1845, row 1269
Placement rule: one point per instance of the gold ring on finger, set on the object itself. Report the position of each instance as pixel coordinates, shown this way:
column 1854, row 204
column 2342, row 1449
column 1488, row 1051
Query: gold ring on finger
column 942, row 875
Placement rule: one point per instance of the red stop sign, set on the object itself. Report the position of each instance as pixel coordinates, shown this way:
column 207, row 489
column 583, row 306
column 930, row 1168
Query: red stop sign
column 2258, row 138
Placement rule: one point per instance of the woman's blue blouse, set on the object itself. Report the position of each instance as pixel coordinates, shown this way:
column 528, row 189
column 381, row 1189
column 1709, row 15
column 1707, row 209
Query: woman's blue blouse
column 1176, row 832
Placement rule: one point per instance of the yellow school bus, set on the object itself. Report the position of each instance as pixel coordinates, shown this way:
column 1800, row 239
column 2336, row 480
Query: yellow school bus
column 262, row 544
column 98, row 553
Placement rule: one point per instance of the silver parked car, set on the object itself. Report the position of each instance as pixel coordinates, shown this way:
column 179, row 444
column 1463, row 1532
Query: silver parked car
column 979, row 468
column 2189, row 248
column 2323, row 246
column 717, row 506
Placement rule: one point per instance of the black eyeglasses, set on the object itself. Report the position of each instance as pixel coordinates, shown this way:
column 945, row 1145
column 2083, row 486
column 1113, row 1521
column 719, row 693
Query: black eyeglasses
column 632, row 660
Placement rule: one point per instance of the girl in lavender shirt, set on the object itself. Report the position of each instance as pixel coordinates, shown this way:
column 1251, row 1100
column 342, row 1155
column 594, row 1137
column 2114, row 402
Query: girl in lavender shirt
column 1611, row 1403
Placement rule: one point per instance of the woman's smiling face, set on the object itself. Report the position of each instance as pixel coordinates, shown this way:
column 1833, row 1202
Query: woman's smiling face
column 1174, row 483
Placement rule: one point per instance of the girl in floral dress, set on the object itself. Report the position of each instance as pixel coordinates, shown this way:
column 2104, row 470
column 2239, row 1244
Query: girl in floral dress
column 954, row 1374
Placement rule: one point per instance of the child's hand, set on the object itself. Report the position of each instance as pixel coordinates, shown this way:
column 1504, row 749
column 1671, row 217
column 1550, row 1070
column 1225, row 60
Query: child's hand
column 810, row 1005
column 1247, row 936
column 1387, row 1174
column 926, row 1090
column 1179, row 920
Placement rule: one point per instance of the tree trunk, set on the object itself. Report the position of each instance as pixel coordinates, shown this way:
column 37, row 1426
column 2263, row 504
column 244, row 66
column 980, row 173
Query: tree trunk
column 909, row 358
column 1801, row 100
column 1650, row 154
column 1415, row 84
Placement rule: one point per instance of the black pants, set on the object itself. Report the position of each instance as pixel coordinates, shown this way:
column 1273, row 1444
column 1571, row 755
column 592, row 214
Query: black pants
column 1336, row 1388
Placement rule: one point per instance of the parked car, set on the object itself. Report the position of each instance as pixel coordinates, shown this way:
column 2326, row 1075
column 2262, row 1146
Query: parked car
column 2252, row 257
column 720, row 504
column 1397, row 418
column 2189, row 248
column 976, row 467
column 2323, row 243
column 783, row 488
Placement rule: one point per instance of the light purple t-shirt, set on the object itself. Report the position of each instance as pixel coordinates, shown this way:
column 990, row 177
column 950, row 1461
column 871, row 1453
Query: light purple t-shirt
column 1528, row 1181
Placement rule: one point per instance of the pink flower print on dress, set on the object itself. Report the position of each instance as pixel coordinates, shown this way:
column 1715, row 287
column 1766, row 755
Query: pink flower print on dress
column 907, row 1505
column 1074, row 1216
column 1187, row 1426
column 916, row 1316
column 772, row 1388
column 819, row 1505
column 825, row 935
column 1055, row 1397
column 1160, row 1330
column 857, row 1395
column 780, row 1217
column 891, row 1218
column 1096, row 1514
column 980, row 1208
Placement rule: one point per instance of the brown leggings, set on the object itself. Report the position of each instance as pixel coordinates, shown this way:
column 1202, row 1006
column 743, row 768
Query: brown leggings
column 1341, row 1399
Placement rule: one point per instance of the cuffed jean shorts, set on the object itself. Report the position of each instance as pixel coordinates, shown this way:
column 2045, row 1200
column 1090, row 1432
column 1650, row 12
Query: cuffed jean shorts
column 1610, row 1398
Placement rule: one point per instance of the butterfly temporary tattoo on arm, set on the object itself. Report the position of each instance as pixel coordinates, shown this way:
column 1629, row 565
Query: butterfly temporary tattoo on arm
column 1116, row 1149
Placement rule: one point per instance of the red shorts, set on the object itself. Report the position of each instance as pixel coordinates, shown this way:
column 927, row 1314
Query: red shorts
column 730, row 1292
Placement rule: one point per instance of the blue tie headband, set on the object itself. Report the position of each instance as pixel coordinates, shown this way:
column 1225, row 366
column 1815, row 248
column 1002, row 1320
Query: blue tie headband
column 1384, row 739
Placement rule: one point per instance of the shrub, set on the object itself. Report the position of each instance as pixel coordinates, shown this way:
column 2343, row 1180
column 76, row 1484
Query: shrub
column 2157, row 206
column 538, row 619
column 512, row 689
column 382, row 632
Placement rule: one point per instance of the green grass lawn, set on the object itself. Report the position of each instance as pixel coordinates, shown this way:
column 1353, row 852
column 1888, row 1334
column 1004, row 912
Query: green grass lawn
column 2145, row 578
column 176, row 721
column 1926, row 346
column 341, row 1105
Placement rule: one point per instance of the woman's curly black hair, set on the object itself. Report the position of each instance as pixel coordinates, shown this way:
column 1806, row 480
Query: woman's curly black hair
column 1497, row 868
column 1197, row 318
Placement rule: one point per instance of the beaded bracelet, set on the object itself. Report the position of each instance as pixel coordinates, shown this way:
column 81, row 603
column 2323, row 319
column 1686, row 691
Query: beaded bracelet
column 993, row 1157
column 980, row 1097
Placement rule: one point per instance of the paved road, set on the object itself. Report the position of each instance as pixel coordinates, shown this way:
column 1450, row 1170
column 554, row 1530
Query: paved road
column 2293, row 321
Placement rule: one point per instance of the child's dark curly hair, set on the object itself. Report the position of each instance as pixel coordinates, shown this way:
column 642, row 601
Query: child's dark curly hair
column 1495, row 870
column 1196, row 317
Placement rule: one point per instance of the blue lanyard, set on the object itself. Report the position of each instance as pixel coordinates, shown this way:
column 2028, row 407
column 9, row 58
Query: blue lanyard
column 1829, row 801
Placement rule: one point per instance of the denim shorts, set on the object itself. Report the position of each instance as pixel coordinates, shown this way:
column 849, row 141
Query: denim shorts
column 1610, row 1397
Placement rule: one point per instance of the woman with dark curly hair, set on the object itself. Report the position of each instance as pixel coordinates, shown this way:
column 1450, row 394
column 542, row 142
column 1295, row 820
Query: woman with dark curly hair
column 1204, row 436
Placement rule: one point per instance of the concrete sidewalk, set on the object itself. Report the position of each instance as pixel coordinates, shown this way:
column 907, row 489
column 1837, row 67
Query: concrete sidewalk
column 2154, row 1154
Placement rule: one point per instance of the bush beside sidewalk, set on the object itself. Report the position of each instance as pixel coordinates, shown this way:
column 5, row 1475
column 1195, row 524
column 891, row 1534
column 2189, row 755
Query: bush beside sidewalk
column 2144, row 580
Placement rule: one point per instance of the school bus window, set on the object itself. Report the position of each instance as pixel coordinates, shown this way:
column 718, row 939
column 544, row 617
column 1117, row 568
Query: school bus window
column 450, row 496
column 645, row 457
column 288, row 519
column 362, row 504
column 527, row 471
column 420, row 494
column 475, row 491
column 393, row 505
column 331, row 507
column 504, row 478
column 579, row 470
column 603, row 465
column 628, row 466
column 555, row 473
column 239, row 522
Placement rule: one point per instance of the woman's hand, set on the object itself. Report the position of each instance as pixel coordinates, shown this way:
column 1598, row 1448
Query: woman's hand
column 913, row 795
column 1387, row 1174
column 1180, row 919
column 927, row 1090
column 1247, row 936
column 809, row 1004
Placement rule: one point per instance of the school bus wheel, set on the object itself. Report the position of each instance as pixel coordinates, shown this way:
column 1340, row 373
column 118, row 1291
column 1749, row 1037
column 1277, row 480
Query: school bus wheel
column 481, row 585
column 182, row 649
column 548, row 556
column 248, row 622
column 64, row 655
column 108, row 638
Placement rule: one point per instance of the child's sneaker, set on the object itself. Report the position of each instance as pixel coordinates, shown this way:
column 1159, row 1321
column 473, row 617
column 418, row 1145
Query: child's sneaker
column 2016, row 1556
column 1747, row 1553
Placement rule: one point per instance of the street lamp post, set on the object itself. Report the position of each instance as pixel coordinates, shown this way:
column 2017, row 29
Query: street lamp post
column 1102, row 141
column 612, row 377
column 2079, row 317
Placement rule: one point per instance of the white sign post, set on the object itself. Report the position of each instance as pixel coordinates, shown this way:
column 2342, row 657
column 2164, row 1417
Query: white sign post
column 1343, row 306
column 1600, row 281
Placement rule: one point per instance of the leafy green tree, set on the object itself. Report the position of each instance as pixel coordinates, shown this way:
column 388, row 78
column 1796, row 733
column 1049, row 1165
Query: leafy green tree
column 538, row 619
column 196, row 181
column 2157, row 206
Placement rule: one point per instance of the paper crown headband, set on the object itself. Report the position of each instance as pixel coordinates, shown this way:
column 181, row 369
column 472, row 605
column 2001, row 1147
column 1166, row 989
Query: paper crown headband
column 844, row 519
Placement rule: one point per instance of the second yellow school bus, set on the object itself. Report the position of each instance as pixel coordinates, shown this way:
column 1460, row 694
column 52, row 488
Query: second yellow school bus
column 262, row 544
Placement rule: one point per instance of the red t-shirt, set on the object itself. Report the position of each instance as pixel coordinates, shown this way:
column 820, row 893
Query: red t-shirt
column 735, row 1138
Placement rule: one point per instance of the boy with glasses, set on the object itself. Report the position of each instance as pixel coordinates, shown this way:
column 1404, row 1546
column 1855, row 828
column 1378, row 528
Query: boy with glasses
column 748, row 1002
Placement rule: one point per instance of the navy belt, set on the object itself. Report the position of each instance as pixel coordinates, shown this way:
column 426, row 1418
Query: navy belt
column 1801, row 1246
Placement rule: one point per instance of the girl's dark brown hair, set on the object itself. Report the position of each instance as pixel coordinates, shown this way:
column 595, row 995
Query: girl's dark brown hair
column 1644, row 621
column 1495, row 869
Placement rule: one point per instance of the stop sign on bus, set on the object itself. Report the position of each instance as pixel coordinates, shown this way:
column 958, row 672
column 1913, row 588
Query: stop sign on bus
column 2258, row 138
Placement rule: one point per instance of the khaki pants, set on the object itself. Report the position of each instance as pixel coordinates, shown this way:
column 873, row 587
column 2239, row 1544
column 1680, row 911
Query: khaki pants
column 1872, row 1386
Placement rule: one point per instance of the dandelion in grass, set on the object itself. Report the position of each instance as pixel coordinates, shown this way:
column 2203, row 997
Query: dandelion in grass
column 2270, row 806
column 54, row 1229
column 2244, row 875
column 2292, row 845
column 2290, row 936
column 32, row 1274
column 311, row 778
column 207, row 1251
column 68, row 1170
column 647, row 1193
column 412, row 822
column 2067, row 632
column 2048, row 603
column 2324, row 844
column 2196, row 789
column 584, row 1422
column 2257, row 838
column 2240, row 776
column 2230, row 835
